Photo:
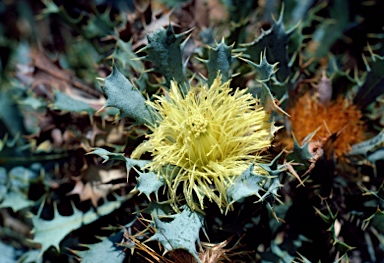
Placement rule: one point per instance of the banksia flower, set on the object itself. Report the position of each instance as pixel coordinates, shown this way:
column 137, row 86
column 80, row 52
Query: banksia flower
column 338, row 116
column 206, row 138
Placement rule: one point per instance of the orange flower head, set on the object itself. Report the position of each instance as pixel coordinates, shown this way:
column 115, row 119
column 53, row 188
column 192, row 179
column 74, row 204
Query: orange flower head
column 340, row 115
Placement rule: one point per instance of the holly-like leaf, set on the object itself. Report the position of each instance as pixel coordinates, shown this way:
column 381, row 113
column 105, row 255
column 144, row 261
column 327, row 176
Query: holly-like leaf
column 275, row 41
column 263, row 71
column 366, row 146
column 220, row 59
column 128, row 99
column 32, row 102
column 302, row 153
column 377, row 220
column 66, row 103
column 14, row 187
column 373, row 86
column 148, row 183
column 157, row 209
column 51, row 232
column 129, row 163
column 247, row 184
column 164, row 49
column 8, row 253
column 181, row 233
column 250, row 183
column 104, row 251
column 329, row 31
column 99, row 24
column 268, row 101
column 124, row 56
column 16, row 200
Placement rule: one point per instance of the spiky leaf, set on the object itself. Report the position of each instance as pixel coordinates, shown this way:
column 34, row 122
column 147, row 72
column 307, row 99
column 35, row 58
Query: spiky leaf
column 16, row 200
column 220, row 59
column 125, row 56
column 128, row 99
column 373, row 86
column 181, row 233
column 247, row 184
column 328, row 32
column 148, row 183
column 129, row 163
column 164, row 49
column 263, row 70
column 368, row 145
column 66, row 103
column 104, row 251
column 50, row 232
column 275, row 41
column 301, row 153
column 268, row 101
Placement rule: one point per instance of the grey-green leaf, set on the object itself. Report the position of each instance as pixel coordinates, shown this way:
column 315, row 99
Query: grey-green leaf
column 66, row 103
column 373, row 86
column 220, row 59
column 104, row 251
column 181, row 233
column 164, row 49
column 128, row 99
column 129, row 163
column 366, row 146
column 148, row 183
column 247, row 184
column 50, row 232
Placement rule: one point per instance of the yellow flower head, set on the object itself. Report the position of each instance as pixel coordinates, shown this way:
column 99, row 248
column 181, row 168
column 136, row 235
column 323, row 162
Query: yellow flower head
column 206, row 138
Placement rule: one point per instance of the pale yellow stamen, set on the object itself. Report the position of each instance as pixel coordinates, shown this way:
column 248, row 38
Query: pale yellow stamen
column 206, row 138
column 197, row 124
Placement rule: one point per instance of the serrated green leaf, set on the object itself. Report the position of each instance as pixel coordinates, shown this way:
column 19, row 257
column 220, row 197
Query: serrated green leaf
column 301, row 153
column 34, row 103
column 51, row 232
column 104, row 251
column 16, row 200
column 366, row 146
column 14, row 187
column 129, row 163
column 124, row 54
column 157, row 209
column 181, row 233
column 267, row 99
column 8, row 253
column 329, row 31
column 275, row 41
column 264, row 71
column 66, row 103
column 128, row 99
column 99, row 24
column 247, row 184
column 31, row 256
column 377, row 220
column 148, row 183
column 220, row 59
column 373, row 86
column 164, row 49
